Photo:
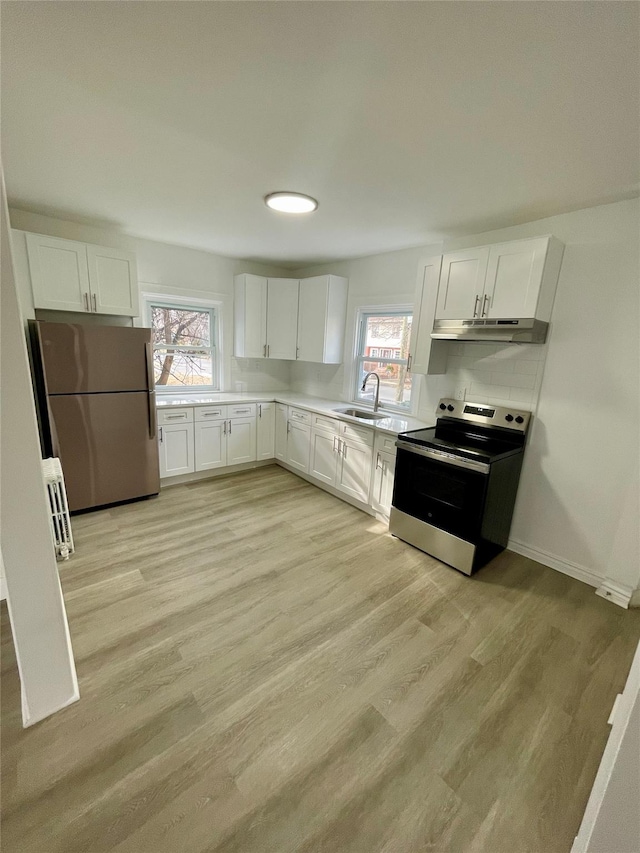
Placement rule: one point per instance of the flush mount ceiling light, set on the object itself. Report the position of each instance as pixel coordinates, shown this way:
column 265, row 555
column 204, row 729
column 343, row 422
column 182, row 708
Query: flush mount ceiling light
column 291, row 202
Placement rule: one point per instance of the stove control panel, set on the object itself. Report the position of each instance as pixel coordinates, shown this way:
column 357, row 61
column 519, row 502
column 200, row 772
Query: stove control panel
column 482, row 413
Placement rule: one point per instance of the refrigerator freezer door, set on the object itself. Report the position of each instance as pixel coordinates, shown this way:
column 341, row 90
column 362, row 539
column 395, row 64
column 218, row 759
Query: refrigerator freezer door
column 80, row 359
column 105, row 447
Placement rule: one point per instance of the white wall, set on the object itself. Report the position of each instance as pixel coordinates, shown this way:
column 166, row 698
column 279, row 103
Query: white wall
column 34, row 596
column 166, row 269
column 578, row 498
column 580, row 479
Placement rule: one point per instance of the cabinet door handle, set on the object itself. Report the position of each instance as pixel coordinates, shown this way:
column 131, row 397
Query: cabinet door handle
column 288, row 427
column 344, row 449
column 229, row 427
column 161, row 438
column 259, row 410
column 475, row 305
column 241, row 411
column 264, row 351
column 225, row 428
column 86, row 302
column 95, row 307
column 334, row 444
column 297, row 352
column 268, row 350
column 409, row 360
column 485, row 305
column 175, row 417
column 378, row 462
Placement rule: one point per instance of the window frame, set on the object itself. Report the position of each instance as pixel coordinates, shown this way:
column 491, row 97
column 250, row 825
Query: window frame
column 187, row 304
column 363, row 313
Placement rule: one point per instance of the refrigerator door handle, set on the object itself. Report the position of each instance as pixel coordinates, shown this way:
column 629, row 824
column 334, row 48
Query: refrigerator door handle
column 151, row 394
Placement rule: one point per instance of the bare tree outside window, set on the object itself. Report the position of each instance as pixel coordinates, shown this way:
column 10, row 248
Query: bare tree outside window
column 183, row 346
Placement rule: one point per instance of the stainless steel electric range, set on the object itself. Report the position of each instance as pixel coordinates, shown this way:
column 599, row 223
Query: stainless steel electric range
column 455, row 484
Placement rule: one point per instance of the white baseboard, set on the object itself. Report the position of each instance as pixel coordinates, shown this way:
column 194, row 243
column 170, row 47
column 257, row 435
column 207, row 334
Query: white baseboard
column 574, row 570
column 616, row 592
column 181, row 479
column 3, row 589
column 635, row 599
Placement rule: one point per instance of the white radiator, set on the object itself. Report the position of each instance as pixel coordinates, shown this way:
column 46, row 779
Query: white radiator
column 58, row 508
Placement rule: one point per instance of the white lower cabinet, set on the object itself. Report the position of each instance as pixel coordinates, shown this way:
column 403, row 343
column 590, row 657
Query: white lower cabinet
column 282, row 422
column 298, row 445
column 335, row 453
column 210, row 444
column 382, row 484
column 354, row 469
column 176, row 447
column 266, row 431
column 324, row 452
column 241, row 440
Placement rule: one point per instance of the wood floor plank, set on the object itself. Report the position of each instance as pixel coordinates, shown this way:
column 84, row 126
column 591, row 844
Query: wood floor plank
column 263, row 668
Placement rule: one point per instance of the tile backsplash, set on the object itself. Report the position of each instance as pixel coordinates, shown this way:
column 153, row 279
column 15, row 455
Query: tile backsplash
column 261, row 374
column 318, row 380
column 497, row 373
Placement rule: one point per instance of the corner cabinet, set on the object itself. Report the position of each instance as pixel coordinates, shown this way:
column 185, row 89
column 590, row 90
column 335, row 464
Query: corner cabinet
column 290, row 319
column 71, row 276
column 322, row 313
column 513, row 280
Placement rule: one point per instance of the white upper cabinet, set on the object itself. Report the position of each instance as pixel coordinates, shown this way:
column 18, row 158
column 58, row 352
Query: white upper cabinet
column 71, row 276
column 321, row 317
column 289, row 319
column 114, row 281
column 250, row 316
column 282, row 318
column 514, row 280
column 59, row 273
column 425, row 354
column 461, row 283
column 514, row 276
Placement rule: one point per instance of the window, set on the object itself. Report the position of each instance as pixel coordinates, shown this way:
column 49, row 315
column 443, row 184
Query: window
column 383, row 348
column 184, row 353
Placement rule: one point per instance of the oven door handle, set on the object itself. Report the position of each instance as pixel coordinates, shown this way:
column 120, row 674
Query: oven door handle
column 441, row 456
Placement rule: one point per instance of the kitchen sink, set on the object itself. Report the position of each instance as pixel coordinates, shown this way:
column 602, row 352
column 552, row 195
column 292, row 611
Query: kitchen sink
column 361, row 413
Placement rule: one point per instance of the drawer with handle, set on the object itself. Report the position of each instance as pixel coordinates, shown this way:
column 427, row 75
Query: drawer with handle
column 300, row 415
column 242, row 410
column 174, row 416
column 324, row 423
column 356, row 433
column 386, row 443
column 211, row 413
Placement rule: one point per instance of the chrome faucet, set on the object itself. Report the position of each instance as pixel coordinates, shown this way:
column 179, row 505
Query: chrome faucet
column 376, row 397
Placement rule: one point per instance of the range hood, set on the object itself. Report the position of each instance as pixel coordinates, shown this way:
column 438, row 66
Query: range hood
column 527, row 331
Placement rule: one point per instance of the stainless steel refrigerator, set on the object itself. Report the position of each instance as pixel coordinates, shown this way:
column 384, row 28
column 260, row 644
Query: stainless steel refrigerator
column 97, row 411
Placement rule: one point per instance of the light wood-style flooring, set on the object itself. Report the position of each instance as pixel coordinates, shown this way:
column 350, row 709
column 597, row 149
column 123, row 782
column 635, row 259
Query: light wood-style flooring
column 264, row 669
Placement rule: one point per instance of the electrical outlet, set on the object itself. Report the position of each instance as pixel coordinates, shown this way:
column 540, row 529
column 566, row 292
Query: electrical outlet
column 461, row 393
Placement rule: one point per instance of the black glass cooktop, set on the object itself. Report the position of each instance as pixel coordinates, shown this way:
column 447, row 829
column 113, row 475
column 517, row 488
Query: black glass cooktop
column 483, row 444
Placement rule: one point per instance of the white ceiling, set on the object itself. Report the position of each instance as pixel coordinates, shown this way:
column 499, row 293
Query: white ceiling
column 408, row 121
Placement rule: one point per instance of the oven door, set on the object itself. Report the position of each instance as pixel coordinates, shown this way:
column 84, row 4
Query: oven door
column 441, row 489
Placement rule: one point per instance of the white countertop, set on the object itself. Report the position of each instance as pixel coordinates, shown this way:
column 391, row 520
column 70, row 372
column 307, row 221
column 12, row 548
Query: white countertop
column 392, row 423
